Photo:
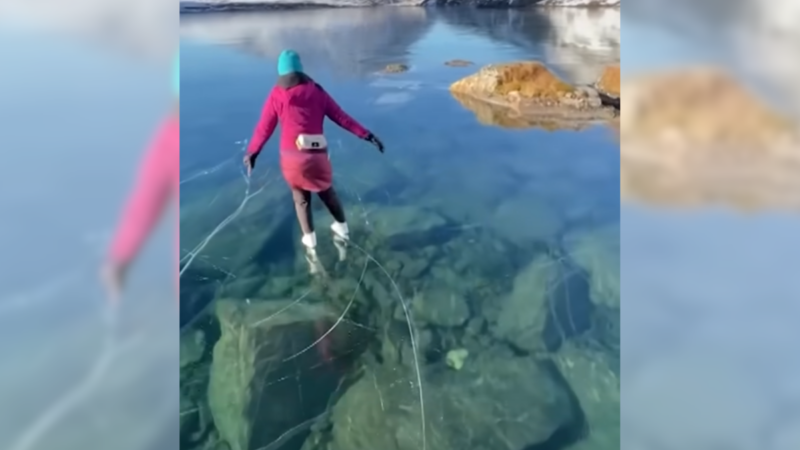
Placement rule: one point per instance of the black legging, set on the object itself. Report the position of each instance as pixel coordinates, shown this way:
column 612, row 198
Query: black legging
column 302, row 204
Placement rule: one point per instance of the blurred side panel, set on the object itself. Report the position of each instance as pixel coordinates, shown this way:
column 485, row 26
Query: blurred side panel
column 78, row 106
column 710, row 183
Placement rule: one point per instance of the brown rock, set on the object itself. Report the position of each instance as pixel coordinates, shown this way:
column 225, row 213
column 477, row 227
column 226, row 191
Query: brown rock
column 528, row 95
column 701, row 107
column 458, row 63
column 395, row 68
column 698, row 137
column 609, row 81
column 530, row 79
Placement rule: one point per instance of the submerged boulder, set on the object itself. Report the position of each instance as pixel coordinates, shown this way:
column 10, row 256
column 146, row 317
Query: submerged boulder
column 534, row 92
column 597, row 388
column 441, row 306
column 597, row 252
column 491, row 402
column 523, row 314
column 259, row 364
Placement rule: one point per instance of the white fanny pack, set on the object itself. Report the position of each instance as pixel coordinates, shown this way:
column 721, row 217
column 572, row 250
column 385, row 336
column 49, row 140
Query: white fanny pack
column 311, row 142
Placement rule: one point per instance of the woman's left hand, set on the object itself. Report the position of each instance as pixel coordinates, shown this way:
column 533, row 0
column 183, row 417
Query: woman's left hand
column 250, row 162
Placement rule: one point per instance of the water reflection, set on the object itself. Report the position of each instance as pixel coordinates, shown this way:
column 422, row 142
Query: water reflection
column 577, row 41
column 346, row 41
column 477, row 305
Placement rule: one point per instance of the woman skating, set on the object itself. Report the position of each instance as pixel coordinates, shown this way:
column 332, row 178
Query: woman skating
column 300, row 106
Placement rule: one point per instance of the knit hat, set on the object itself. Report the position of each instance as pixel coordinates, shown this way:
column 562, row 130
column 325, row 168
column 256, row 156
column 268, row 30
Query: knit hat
column 176, row 75
column 289, row 62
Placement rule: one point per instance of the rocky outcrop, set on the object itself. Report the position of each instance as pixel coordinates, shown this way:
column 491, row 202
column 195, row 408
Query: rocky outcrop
column 530, row 90
column 609, row 81
column 698, row 135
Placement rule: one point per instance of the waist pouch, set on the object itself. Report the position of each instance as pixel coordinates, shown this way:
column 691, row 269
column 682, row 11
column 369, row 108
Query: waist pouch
column 311, row 142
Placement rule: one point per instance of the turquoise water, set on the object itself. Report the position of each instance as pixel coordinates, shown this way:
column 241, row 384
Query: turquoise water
column 477, row 306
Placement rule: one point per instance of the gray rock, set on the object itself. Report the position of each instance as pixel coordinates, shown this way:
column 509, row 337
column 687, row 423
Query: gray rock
column 597, row 388
column 441, row 306
column 193, row 347
column 251, row 394
column 492, row 402
column 399, row 220
column 523, row 313
column 598, row 253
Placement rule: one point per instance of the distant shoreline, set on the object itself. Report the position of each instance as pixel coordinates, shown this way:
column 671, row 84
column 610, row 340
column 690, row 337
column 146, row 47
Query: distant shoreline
column 208, row 7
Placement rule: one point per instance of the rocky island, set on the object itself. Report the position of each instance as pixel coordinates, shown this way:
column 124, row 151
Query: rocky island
column 698, row 135
column 528, row 94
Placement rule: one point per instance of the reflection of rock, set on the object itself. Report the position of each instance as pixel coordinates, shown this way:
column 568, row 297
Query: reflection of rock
column 534, row 93
column 505, row 117
column 765, row 185
column 352, row 41
column 609, row 81
column 597, row 388
column 697, row 135
column 252, row 397
column 503, row 402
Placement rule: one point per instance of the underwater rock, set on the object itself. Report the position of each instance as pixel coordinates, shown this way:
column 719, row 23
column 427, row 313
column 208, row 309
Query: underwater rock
column 396, row 221
column 524, row 312
column 456, row 358
column 193, row 346
column 395, row 68
column 609, row 81
column 458, row 63
column 597, row 388
column 504, row 402
column 526, row 218
column 257, row 357
column 441, row 306
column 532, row 91
column 597, row 251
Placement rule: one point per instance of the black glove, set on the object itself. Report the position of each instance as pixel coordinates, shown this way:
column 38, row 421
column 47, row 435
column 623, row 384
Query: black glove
column 372, row 139
column 250, row 162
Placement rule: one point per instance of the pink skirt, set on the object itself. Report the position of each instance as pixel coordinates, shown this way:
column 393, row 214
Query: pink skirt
column 307, row 171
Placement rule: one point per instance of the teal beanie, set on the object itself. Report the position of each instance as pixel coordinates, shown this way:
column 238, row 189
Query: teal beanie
column 288, row 62
column 176, row 75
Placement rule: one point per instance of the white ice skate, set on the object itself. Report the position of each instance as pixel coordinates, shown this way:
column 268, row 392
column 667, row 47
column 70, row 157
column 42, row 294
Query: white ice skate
column 341, row 234
column 310, row 243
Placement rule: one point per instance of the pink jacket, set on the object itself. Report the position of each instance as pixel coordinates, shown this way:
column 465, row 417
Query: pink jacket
column 157, row 182
column 301, row 107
